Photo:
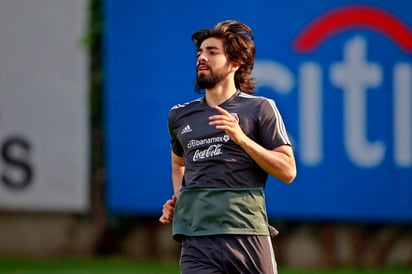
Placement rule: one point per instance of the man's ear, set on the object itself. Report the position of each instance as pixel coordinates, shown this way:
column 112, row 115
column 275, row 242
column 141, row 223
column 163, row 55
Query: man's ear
column 235, row 67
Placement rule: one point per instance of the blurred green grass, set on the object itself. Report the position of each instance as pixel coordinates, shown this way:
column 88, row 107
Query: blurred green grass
column 112, row 265
column 99, row 265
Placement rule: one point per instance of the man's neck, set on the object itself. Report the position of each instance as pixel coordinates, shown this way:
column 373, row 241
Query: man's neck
column 219, row 94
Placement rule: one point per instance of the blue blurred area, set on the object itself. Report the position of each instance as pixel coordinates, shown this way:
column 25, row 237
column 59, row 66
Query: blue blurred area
column 352, row 141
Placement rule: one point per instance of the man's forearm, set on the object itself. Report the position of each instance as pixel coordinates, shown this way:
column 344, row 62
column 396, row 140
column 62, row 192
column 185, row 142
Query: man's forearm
column 177, row 178
column 280, row 162
column 178, row 170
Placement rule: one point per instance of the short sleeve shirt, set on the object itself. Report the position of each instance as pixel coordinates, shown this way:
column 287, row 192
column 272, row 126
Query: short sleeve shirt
column 211, row 159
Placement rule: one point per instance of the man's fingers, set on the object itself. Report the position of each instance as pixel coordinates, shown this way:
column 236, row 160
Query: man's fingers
column 173, row 201
column 168, row 210
column 224, row 119
column 221, row 121
column 221, row 110
column 164, row 220
column 170, row 203
column 166, row 217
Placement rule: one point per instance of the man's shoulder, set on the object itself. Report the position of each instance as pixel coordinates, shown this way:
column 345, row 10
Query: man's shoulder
column 186, row 105
column 182, row 110
column 255, row 99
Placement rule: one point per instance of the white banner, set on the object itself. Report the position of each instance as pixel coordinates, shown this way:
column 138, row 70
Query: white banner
column 44, row 148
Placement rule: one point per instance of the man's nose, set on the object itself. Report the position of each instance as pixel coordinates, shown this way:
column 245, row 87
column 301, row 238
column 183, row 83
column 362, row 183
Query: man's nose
column 201, row 59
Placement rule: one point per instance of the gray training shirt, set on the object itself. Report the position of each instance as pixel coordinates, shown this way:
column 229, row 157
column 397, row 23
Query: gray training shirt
column 212, row 160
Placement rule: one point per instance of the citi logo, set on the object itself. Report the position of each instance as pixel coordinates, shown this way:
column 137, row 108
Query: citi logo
column 356, row 80
column 186, row 129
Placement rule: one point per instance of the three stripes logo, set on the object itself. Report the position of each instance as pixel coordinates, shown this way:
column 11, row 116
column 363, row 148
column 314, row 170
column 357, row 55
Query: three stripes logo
column 186, row 129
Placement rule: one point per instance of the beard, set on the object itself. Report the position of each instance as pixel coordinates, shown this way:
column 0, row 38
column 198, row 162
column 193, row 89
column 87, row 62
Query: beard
column 211, row 80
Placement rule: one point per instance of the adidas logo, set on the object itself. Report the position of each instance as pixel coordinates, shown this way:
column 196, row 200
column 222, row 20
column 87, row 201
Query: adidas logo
column 186, row 129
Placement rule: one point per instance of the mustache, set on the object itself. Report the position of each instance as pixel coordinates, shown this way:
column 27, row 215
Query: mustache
column 202, row 65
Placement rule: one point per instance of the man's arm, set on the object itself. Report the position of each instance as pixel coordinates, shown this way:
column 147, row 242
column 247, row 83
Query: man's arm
column 178, row 169
column 279, row 162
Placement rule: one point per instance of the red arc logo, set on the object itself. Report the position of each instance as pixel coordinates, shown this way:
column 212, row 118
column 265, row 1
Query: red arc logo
column 351, row 17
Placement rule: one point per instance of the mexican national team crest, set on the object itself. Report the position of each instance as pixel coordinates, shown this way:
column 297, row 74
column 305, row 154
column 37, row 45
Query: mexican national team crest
column 235, row 115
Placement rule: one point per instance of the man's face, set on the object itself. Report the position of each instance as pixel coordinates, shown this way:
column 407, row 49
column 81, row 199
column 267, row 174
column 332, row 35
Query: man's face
column 212, row 65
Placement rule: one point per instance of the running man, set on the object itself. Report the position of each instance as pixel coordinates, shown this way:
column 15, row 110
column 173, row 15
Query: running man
column 224, row 146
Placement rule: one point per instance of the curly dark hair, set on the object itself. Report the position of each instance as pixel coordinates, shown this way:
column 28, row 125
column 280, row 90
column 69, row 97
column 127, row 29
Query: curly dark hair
column 238, row 47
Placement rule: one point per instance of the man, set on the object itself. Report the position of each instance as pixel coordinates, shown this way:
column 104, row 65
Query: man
column 223, row 148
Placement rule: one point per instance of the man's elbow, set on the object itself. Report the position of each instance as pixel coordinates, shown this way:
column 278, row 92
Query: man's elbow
column 289, row 175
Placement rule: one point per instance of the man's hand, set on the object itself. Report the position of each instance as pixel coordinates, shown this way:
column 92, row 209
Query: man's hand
column 168, row 210
column 225, row 121
column 278, row 162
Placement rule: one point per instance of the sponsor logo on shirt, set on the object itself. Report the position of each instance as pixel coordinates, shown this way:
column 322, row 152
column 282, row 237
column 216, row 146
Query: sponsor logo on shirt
column 211, row 151
column 218, row 139
column 214, row 149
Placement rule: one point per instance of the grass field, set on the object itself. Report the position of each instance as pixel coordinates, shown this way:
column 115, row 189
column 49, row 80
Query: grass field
column 127, row 266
